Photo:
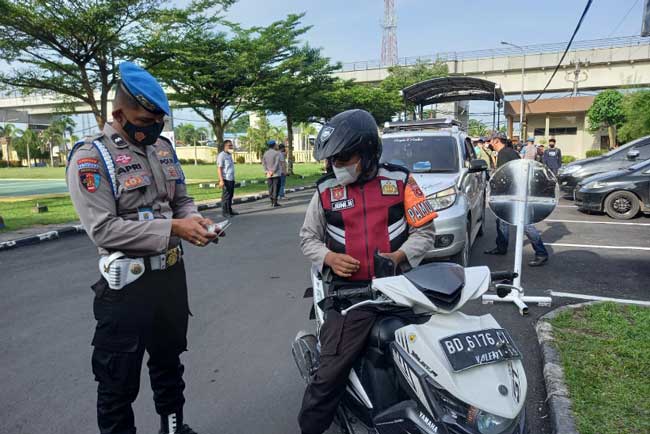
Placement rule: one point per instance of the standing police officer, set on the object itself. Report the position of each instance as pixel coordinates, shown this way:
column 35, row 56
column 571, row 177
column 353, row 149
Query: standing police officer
column 129, row 190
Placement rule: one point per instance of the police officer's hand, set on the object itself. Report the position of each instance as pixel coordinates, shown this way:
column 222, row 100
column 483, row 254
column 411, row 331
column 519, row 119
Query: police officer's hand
column 221, row 183
column 193, row 229
column 341, row 264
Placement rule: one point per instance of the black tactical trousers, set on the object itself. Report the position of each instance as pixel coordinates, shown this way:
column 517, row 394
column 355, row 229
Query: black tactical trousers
column 342, row 340
column 149, row 314
column 227, row 195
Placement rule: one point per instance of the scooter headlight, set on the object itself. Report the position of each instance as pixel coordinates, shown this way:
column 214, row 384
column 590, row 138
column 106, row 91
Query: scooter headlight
column 488, row 423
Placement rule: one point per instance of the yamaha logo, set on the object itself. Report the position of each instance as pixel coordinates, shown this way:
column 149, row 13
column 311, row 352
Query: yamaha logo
column 326, row 133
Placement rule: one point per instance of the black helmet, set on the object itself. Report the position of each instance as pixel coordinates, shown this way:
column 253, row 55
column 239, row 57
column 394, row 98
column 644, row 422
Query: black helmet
column 349, row 132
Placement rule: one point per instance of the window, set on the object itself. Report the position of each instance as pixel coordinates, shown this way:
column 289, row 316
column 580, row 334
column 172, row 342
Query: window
column 424, row 154
column 561, row 131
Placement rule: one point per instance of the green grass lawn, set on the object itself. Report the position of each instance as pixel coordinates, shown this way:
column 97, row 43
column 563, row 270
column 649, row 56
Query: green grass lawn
column 605, row 351
column 18, row 214
column 201, row 172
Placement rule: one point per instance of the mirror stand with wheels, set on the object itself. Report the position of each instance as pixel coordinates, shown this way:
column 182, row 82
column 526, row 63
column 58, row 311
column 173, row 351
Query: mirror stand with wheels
column 522, row 192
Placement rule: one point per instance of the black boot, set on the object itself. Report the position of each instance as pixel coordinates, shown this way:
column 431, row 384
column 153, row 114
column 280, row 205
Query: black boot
column 173, row 424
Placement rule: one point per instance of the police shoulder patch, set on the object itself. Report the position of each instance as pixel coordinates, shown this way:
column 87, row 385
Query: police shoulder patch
column 90, row 181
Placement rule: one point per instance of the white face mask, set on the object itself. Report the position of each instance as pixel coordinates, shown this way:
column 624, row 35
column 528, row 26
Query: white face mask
column 347, row 174
column 230, row 151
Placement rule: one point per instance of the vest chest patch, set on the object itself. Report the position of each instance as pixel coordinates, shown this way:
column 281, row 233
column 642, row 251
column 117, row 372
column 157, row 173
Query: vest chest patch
column 342, row 204
column 338, row 193
column 389, row 187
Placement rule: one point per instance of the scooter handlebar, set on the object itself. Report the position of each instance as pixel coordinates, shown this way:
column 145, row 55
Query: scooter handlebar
column 365, row 291
column 503, row 275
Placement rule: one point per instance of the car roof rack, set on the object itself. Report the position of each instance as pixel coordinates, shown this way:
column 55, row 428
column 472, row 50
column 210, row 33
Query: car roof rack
column 423, row 124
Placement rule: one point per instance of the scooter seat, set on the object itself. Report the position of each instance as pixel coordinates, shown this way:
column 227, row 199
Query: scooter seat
column 441, row 282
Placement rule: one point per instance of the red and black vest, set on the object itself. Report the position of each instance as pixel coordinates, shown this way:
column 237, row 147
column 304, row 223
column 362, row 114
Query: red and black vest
column 362, row 218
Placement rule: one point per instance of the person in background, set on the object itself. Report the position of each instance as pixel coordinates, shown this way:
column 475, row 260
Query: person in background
column 273, row 170
column 483, row 153
column 552, row 157
column 530, row 151
column 283, row 177
column 226, row 172
column 505, row 155
column 516, row 144
column 540, row 153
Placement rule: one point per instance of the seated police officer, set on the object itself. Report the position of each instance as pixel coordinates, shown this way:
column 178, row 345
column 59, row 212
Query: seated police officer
column 129, row 191
column 360, row 207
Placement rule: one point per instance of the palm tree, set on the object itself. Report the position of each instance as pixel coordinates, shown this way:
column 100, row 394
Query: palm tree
column 9, row 132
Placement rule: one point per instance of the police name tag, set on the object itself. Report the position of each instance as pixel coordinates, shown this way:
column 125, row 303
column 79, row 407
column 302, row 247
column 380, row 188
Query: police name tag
column 145, row 214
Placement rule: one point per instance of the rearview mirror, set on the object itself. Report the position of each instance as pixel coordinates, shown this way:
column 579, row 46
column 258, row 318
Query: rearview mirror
column 633, row 154
column 477, row 166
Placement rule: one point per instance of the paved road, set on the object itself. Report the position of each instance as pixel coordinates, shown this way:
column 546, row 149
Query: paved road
column 247, row 305
column 31, row 187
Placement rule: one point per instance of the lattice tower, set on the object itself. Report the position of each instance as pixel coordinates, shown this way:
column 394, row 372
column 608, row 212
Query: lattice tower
column 389, row 39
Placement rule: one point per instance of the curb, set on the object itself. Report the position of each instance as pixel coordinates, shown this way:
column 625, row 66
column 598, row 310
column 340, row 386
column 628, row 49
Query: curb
column 78, row 229
column 559, row 401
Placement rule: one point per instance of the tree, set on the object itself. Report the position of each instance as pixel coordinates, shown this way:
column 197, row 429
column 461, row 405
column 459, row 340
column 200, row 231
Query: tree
column 257, row 136
column 212, row 70
column 636, row 109
column 347, row 95
column 476, row 128
column 10, row 133
column 54, row 135
column 400, row 77
column 298, row 89
column 240, row 125
column 607, row 111
column 29, row 146
column 73, row 47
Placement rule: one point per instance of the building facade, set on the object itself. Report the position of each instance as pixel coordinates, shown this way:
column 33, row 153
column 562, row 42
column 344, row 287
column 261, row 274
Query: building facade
column 564, row 119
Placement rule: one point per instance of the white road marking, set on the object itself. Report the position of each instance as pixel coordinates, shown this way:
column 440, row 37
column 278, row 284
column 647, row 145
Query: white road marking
column 592, row 246
column 598, row 298
column 566, row 206
column 595, row 222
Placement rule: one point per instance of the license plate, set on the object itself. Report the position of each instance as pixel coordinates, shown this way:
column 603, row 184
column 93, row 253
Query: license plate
column 468, row 350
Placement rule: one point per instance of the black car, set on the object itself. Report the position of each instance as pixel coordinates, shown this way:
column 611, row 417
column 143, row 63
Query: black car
column 624, row 156
column 621, row 194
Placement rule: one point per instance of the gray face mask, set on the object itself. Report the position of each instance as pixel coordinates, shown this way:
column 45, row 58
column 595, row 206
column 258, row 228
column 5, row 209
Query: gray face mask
column 347, row 174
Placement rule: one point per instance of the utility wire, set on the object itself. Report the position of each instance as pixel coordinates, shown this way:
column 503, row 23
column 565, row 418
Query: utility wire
column 575, row 32
column 623, row 19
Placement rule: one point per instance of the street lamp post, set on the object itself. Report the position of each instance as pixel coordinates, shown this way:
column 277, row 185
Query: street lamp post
column 521, row 107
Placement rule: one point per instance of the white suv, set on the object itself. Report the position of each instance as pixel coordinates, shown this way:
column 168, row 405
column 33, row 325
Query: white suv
column 441, row 158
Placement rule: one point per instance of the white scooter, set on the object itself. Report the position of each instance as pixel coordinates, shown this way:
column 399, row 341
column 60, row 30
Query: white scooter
column 427, row 368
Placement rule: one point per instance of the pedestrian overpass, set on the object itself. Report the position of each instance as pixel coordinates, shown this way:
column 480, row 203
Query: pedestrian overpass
column 590, row 65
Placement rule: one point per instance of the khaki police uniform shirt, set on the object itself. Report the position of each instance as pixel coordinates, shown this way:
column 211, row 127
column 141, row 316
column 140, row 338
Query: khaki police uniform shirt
column 146, row 179
column 312, row 237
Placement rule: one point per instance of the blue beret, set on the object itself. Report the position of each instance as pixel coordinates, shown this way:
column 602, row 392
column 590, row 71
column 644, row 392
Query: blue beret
column 144, row 88
column 270, row 143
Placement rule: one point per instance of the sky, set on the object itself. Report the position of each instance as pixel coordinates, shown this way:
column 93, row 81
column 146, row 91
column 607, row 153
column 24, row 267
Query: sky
column 350, row 30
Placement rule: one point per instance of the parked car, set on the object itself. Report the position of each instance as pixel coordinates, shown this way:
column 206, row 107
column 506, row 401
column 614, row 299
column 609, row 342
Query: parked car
column 444, row 164
column 624, row 156
column 621, row 194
